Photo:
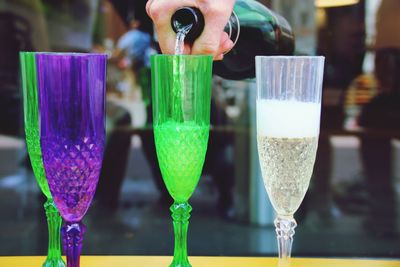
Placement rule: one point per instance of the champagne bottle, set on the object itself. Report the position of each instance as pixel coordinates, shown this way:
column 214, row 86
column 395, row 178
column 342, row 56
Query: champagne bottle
column 255, row 30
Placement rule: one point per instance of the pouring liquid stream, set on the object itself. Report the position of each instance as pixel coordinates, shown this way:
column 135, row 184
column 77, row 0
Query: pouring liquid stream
column 179, row 80
column 180, row 39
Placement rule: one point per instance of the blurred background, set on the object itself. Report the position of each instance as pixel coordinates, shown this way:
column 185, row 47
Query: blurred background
column 351, row 208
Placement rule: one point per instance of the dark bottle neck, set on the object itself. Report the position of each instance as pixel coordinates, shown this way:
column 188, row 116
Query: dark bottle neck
column 188, row 17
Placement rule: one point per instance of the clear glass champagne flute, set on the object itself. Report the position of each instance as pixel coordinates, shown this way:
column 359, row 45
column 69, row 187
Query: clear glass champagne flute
column 289, row 90
column 32, row 137
column 181, row 91
column 72, row 135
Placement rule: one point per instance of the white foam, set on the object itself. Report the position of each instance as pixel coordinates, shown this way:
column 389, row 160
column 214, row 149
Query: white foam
column 290, row 119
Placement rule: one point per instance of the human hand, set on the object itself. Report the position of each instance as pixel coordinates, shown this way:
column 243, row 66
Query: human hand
column 213, row 40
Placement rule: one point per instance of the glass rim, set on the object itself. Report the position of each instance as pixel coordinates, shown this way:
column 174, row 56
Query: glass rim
column 291, row 57
column 182, row 56
column 64, row 54
column 26, row 52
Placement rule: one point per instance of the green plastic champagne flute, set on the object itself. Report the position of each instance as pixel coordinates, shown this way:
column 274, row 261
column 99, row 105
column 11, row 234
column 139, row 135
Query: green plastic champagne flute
column 181, row 92
column 32, row 136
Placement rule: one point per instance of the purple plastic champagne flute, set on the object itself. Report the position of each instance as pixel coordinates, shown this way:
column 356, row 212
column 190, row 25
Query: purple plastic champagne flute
column 72, row 121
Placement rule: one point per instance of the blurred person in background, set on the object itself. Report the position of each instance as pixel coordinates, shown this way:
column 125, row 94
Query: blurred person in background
column 132, row 56
column 341, row 39
column 51, row 25
column 37, row 25
column 218, row 163
column 383, row 113
column 134, row 46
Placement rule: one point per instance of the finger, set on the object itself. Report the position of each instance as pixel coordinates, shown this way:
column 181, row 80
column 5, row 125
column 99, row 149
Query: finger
column 219, row 57
column 216, row 16
column 208, row 41
column 166, row 39
column 225, row 44
column 148, row 5
column 168, row 43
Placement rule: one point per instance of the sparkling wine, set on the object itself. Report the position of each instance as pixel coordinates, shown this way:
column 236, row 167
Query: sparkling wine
column 286, row 165
column 181, row 149
column 287, row 136
column 288, row 122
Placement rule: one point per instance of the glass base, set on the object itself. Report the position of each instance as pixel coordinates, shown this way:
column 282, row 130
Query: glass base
column 180, row 264
column 54, row 263
column 187, row 264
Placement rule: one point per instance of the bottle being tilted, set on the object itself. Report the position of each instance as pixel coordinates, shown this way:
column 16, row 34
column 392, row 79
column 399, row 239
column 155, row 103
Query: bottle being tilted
column 254, row 29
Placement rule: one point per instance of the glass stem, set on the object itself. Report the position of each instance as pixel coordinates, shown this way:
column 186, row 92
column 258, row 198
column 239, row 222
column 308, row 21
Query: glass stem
column 73, row 233
column 54, row 224
column 180, row 216
column 284, row 227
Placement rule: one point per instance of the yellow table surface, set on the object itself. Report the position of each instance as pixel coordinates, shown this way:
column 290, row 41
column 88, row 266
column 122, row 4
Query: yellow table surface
column 156, row 261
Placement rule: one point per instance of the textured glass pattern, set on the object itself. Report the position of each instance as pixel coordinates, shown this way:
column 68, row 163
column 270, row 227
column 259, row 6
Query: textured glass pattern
column 181, row 111
column 73, row 168
column 31, row 118
column 71, row 94
column 31, row 121
column 287, row 165
column 181, row 91
column 181, row 149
